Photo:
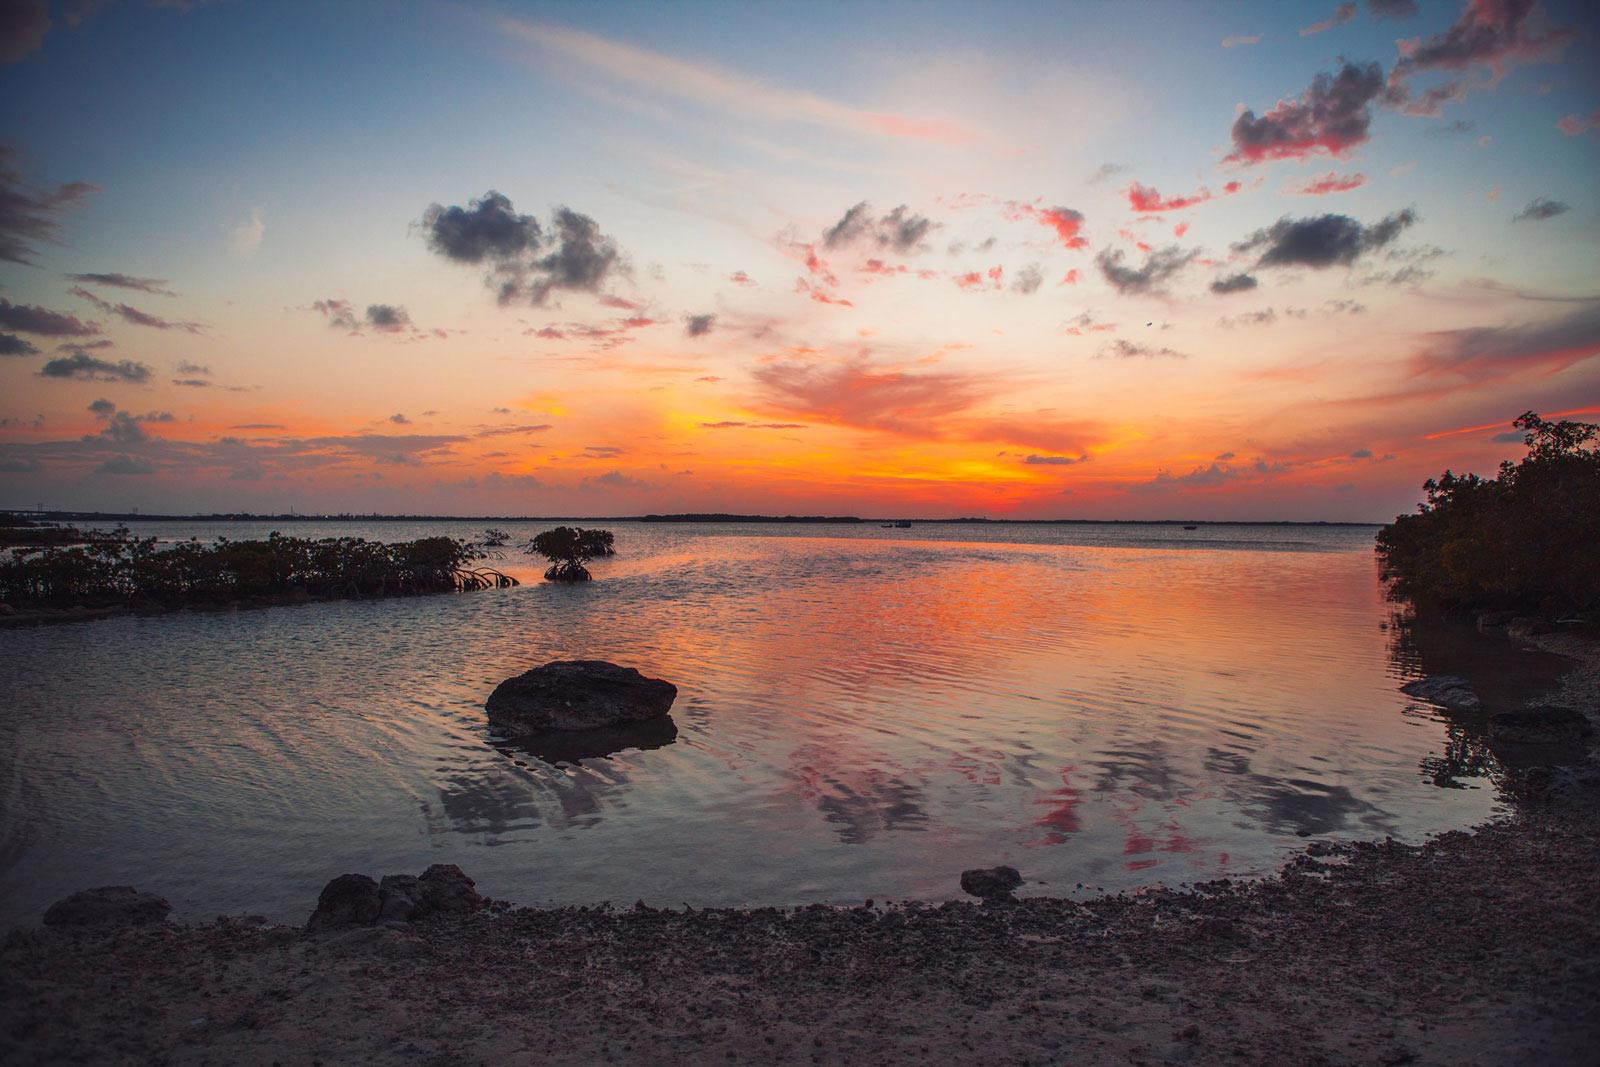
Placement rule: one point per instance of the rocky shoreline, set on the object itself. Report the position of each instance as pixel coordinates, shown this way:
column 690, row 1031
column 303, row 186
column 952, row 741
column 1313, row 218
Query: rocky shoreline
column 1480, row 947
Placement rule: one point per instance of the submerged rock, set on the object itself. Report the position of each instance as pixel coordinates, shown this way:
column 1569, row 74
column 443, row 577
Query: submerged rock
column 991, row 883
column 348, row 900
column 577, row 695
column 111, row 905
column 1445, row 690
column 1540, row 726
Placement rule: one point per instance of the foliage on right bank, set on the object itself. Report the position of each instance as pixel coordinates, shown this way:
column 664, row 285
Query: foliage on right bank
column 1527, row 538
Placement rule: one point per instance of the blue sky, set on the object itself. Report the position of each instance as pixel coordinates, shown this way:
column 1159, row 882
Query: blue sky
column 274, row 162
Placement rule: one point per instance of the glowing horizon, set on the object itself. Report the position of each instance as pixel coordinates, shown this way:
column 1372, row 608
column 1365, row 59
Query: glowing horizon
column 1254, row 262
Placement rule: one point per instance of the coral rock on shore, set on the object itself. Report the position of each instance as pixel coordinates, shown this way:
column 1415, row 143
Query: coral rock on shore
column 991, row 883
column 1540, row 726
column 1445, row 690
column 578, row 695
column 355, row 900
column 112, row 905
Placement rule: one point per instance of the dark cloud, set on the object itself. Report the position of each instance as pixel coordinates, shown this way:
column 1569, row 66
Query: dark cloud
column 126, row 281
column 486, row 231
column 509, row 431
column 388, row 318
column 1487, row 33
column 1028, row 279
column 1104, row 171
column 30, row 318
column 126, row 464
column 123, row 428
column 698, row 325
column 23, row 24
column 339, row 313
column 399, row 420
column 753, row 425
column 133, row 314
column 24, row 465
column 1398, row 10
column 581, row 261
column 1265, row 317
column 103, row 408
column 490, row 233
column 29, row 215
column 1057, row 461
column 185, row 367
column 1323, row 240
column 1129, row 350
column 899, row 230
column 1492, row 352
column 1159, row 266
column 1459, row 126
column 1234, row 283
column 193, row 383
column 1331, row 116
column 84, row 367
column 12, row 345
column 1540, row 209
column 1361, row 453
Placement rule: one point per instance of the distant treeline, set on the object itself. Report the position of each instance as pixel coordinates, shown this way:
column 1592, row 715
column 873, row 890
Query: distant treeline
column 121, row 568
column 697, row 516
column 1528, row 538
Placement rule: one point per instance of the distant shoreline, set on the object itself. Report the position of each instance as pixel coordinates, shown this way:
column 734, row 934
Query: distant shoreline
column 689, row 517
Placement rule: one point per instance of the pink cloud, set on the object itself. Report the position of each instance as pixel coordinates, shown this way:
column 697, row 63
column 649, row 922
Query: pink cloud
column 1574, row 124
column 1323, row 184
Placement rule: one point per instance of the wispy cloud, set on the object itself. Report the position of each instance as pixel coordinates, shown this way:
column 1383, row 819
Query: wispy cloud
column 737, row 94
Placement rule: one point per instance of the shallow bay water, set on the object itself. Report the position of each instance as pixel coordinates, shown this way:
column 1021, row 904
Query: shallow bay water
column 862, row 712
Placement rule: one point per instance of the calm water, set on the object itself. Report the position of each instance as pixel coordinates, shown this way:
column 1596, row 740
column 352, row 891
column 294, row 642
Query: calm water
column 861, row 713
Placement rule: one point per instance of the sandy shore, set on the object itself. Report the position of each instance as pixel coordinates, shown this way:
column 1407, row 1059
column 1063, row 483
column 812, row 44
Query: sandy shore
column 1475, row 948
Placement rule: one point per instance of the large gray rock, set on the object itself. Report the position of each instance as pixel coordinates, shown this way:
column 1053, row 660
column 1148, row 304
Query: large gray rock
column 1445, row 690
column 991, row 883
column 1540, row 726
column 348, row 900
column 583, row 694
column 111, row 905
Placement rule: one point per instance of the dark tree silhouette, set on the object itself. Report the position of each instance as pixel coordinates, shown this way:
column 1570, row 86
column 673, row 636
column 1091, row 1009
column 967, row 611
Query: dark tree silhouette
column 1528, row 538
column 568, row 548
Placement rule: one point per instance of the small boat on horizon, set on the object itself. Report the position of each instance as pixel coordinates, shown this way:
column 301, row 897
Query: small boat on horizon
column 1191, row 527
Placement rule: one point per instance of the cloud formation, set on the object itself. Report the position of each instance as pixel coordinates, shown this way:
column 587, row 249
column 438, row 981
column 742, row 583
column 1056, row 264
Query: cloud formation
column 899, row 231
column 1539, row 209
column 29, row 215
column 1234, row 283
column 12, row 345
column 1324, row 184
column 30, row 318
column 577, row 257
column 1129, row 350
column 118, row 280
column 133, row 314
column 86, row 368
column 1574, row 124
column 1492, row 33
column 1332, row 117
column 1494, row 352
column 1160, row 266
column 1324, row 240
column 698, row 325
column 1341, row 15
column 1065, row 222
column 1146, row 200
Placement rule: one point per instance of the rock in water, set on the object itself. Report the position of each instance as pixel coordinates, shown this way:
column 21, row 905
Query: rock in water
column 583, row 694
column 1540, row 726
column 112, row 905
column 348, row 900
column 991, row 883
column 1445, row 690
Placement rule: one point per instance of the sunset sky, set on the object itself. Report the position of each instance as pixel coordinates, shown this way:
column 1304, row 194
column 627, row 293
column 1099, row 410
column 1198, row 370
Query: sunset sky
column 1242, row 260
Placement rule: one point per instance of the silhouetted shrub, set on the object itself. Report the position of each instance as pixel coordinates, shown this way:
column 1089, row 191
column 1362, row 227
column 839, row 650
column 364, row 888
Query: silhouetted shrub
column 123, row 567
column 1528, row 538
column 568, row 548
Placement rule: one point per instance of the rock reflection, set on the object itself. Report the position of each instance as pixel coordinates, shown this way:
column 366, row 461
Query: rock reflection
column 556, row 747
column 860, row 802
column 1307, row 808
